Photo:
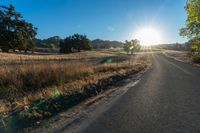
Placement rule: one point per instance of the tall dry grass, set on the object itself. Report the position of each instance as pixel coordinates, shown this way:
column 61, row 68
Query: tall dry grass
column 22, row 85
column 18, row 81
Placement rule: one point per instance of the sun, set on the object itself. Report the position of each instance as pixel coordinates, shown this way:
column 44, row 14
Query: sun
column 148, row 36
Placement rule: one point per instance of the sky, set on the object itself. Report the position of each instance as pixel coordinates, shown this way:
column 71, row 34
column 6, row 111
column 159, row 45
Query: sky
column 105, row 19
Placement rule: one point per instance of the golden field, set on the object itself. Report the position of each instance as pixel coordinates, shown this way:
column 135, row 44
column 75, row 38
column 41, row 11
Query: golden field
column 26, row 79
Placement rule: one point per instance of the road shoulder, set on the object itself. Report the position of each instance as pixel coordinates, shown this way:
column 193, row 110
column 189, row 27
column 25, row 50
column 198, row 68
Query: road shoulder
column 80, row 116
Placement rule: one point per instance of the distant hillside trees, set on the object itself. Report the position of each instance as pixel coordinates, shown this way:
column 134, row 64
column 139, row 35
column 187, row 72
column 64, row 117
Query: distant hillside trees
column 192, row 29
column 52, row 42
column 15, row 32
column 173, row 46
column 105, row 44
column 132, row 46
column 75, row 43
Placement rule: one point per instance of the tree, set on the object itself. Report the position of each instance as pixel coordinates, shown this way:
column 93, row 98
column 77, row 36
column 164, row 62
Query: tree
column 74, row 43
column 66, row 45
column 195, row 46
column 15, row 33
column 132, row 46
column 192, row 29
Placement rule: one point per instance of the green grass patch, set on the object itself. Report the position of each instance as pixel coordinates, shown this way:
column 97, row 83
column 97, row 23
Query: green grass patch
column 113, row 59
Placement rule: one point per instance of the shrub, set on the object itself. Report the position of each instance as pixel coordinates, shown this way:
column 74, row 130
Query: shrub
column 196, row 58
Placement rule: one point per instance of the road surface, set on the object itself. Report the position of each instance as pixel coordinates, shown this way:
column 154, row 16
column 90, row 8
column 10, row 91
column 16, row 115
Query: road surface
column 166, row 100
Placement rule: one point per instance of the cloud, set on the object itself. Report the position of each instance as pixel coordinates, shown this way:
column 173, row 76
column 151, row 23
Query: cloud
column 110, row 28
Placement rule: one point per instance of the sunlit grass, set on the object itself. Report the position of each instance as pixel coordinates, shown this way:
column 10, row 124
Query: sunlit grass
column 45, row 85
column 12, row 58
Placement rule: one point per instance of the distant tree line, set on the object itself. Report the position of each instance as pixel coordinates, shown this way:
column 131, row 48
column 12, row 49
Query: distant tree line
column 106, row 44
column 132, row 46
column 77, row 42
column 52, row 42
column 74, row 43
column 15, row 32
column 174, row 46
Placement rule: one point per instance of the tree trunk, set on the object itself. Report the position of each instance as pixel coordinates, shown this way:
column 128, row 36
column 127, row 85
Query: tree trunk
column 5, row 50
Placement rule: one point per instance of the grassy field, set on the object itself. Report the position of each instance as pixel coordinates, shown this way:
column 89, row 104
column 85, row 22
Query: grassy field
column 41, row 85
column 183, row 56
column 12, row 58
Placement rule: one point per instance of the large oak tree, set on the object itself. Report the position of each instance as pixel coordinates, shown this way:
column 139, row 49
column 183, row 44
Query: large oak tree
column 192, row 29
column 15, row 33
column 74, row 43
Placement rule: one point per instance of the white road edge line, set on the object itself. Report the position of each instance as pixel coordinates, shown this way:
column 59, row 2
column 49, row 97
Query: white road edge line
column 180, row 68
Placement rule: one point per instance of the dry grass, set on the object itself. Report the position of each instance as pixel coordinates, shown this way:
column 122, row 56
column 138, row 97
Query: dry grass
column 182, row 56
column 23, row 85
column 185, row 56
column 11, row 58
column 18, row 81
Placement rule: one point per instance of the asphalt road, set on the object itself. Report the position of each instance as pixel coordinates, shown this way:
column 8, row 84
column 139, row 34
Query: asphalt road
column 166, row 100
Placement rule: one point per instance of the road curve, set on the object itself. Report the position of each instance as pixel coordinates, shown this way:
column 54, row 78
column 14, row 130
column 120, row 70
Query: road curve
column 166, row 100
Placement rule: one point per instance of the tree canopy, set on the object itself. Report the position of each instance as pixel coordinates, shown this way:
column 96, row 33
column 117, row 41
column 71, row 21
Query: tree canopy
column 15, row 32
column 192, row 28
column 132, row 46
column 75, row 43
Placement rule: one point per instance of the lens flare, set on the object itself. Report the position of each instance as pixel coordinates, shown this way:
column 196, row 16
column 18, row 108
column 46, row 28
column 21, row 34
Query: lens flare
column 148, row 36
